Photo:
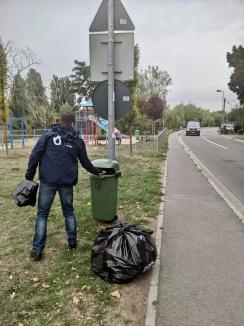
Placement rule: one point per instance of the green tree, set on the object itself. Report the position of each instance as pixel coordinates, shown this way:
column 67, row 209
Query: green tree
column 237, row 116
column 217, row 117
column 182, row 113
column 172, row 119
column 61, row 92
column 130, row 121
column 65, row 108
column 34, row 88
column 55, row 94
column 18, row 99
column 153, row 81
column 236, row 61
column 81, row 85
column 36, row 99
column 4, row 110
column 14, row 61
column 141, row 107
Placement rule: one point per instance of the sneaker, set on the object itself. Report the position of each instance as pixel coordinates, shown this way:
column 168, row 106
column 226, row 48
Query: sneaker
column 72, row 246
column 36, row 255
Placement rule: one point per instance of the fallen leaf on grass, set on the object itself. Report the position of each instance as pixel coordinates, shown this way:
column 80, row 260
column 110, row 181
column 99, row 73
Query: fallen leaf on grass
column 11, row 277
column 76, row 300
column 12, row 295
column 20, row 324
column 115, row 294
column 73, row 268
column 45, row 285
column 35, row 279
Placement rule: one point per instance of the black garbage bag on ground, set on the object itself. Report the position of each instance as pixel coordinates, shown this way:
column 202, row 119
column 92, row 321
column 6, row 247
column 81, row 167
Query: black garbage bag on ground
column 25, row 193
column 122, row 252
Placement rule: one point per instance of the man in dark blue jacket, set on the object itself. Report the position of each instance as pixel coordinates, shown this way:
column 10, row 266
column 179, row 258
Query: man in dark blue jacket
column 57, row 153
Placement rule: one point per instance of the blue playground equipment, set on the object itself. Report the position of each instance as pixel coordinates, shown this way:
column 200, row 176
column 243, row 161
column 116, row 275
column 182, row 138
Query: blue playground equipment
column 21, row 124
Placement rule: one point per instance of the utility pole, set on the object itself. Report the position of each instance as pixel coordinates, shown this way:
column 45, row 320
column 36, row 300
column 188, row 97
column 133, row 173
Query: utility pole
column 111, row 124
column 223, row 104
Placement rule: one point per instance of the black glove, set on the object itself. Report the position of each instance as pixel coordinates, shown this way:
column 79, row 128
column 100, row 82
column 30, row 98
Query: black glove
column 28, row 177
column 100, row 171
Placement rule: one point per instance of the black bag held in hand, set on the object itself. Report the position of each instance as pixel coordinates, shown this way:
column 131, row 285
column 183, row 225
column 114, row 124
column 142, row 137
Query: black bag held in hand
column 25, row 193
column 122, row 252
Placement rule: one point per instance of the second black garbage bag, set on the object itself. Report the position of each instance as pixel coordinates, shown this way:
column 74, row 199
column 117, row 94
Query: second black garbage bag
column 122, row 252
column 25, row 193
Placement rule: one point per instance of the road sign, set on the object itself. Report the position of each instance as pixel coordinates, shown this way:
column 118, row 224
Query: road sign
column 123, row 56
column 122, row 21
column 122, row 99
column 111, row 16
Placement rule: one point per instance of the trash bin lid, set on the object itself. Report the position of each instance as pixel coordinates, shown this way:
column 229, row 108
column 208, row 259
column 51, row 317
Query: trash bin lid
column 104, row 163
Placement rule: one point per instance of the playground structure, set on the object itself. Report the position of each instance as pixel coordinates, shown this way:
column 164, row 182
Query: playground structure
column 91, row 127
column 21, row 132
column 15, row 135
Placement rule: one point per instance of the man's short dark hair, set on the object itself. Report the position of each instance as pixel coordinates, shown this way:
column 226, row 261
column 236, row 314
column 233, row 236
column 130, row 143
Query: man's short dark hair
column 68, row 118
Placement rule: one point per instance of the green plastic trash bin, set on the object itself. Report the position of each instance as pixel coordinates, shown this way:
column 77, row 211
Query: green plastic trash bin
column 137, row 134
column 104, row 190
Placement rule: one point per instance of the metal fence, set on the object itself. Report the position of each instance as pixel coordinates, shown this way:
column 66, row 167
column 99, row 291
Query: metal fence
column 160, row 138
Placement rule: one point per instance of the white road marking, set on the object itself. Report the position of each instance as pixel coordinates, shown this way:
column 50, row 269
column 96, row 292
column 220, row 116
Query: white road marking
column 230, row 199
column 214, row 143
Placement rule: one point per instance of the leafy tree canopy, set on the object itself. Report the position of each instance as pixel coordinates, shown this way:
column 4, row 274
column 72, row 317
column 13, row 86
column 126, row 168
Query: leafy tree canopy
column 154, row 107
column 153, row 81
column 35, row 90
column 65, row 108
column 61, row 92
column 236, row 61
column 81, row 85
column 18, row 98
column 3, row 81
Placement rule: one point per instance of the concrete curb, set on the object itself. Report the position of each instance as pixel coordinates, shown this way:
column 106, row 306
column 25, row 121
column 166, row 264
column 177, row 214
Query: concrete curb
column 153, row 286
column 235, row 205
column 239, row 140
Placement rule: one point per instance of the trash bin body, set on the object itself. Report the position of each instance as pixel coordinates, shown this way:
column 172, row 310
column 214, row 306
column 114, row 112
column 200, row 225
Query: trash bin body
column 104, row 190
column 137, row 134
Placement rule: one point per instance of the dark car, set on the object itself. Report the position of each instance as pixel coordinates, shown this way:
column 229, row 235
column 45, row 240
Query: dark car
column 193, row 128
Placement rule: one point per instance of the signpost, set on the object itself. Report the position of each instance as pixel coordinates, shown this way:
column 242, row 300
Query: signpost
column 119, row 48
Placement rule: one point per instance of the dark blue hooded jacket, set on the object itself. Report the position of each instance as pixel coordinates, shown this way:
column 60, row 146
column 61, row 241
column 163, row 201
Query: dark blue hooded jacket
column 57, row 153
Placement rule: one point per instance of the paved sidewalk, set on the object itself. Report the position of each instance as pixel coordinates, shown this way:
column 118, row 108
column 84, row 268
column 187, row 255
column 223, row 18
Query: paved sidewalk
column 202, row 262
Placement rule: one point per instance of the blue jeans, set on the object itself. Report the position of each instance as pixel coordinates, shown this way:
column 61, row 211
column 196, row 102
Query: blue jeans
column 45, row 200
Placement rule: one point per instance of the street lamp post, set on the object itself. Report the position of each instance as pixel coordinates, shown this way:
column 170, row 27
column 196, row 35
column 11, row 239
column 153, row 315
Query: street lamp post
column 223, row 104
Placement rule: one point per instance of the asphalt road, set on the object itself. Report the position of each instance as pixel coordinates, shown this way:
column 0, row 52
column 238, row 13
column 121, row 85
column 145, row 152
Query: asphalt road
column 223, row 156
column 202, row 262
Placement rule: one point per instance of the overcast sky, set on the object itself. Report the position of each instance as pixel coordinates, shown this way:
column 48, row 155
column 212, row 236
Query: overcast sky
column 188, row 38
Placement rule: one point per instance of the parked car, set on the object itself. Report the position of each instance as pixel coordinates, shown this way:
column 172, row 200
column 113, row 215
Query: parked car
column 227, row 128
column 193, row 128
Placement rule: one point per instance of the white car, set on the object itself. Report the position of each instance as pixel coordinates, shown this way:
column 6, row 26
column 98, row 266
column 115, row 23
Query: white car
column 193, row 128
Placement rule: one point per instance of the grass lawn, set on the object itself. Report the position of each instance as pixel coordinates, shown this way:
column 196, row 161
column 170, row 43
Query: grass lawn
column 61, row 289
